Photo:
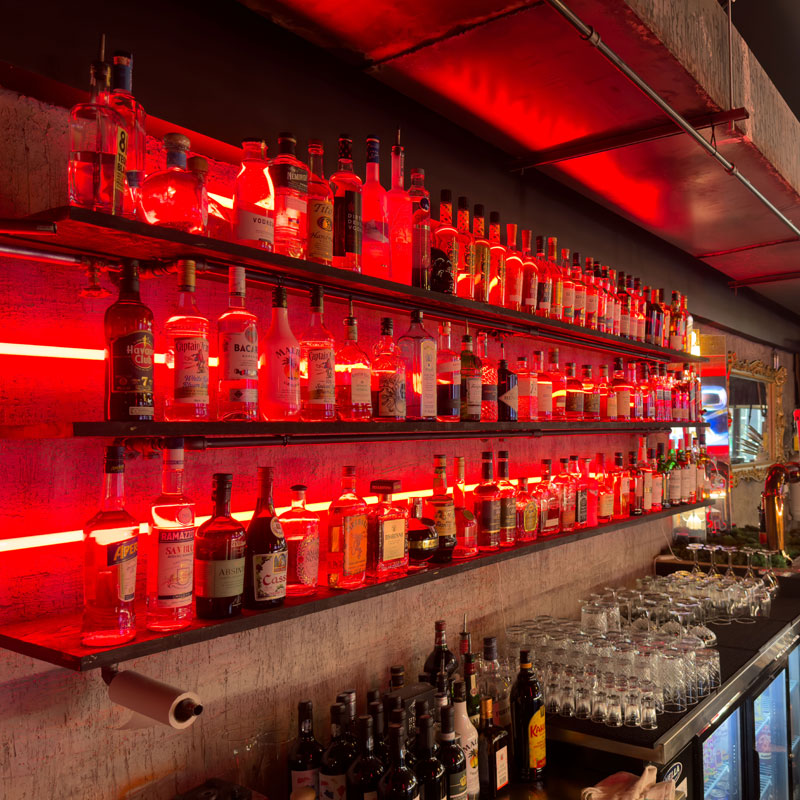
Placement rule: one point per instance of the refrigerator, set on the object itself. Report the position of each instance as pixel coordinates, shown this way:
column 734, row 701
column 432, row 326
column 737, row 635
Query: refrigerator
column 768, row 738
column 721, row 771
column 794, row 719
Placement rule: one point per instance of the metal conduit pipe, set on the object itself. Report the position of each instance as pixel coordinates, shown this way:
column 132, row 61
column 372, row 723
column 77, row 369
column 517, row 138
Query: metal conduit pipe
column 593, row 37
column 31, row 254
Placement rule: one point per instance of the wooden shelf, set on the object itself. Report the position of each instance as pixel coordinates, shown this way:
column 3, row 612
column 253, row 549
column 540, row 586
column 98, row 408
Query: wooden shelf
column 55, row 639
column 111, row 238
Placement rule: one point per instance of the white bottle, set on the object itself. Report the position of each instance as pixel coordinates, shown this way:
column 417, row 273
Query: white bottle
column 280, row 364
column 467, row 735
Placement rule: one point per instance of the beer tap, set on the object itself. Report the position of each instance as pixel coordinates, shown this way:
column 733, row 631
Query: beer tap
column 772, row 503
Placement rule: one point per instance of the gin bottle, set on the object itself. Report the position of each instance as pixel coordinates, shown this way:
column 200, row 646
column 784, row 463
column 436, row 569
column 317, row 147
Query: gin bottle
column 290, row 182
column 448, row 378
column 280, row 364
column 471, row 387
column 353, row 376
column 254, row 199
column 418, row 349
column 317, row 370
column 388, row 377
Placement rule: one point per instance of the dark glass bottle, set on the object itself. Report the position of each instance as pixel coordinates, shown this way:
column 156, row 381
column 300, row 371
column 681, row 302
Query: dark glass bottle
column 492, row 754
column 397, row 676
column 398, row 782
column 452, row 756
column 349, row 726
column 473, row 693
column 430, row 772
column 306, row 752
column 380, row 748
column 486, row 505
column 365, row 772
column 267, row 551
column 507, row 393
column 337, row 758
column 219, row 557
column 527, row 723
column 398, row 716
column 441, row 659
column 128, row 325
column 423, row 538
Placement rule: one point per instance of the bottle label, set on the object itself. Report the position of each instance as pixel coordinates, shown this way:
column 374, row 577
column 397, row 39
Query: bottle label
column 552, row 514
column 283, row 376
column 537, row 748
column 686, row 479
column 658, row 489
column 605, row 505
column 354, row 531
column 320, row 230
column 219, row 578
column 392, row 393
column 473, row 393
column 132, row 363
column 523, row 386
column 501, row 767
column 489, row 392
column 452, row 369
column 611, row 408
column 360, row 391
column 122, row 555
column 376, row 231
column 332, row 787
column 269, row 575
column 591, row 303
column 569, row 298
column 511, row 398
column 456, row 786
column 624, row 324
column 307, row 555
column 347, row 224
column 545, row 294
column 120, row 160
column 255, row 227
column 647, row 497
column 676, row 341
column 591, row 403
column 580, row 298
column 191, row 369
column 469, row 744
column 508, row 513
column 289, row 176
column 675, row 485
column 487, row 513
column 530, row 518
column 444, row 517
column 483, row 269
column 321, row 379
column 574, row 401
column 305, row 777
column 623, row 403
column 544, row 392
column 175, row 555
column 625, row 487
column 238, row 355
column 427, row 359
column 392, row 536
column 581, row 506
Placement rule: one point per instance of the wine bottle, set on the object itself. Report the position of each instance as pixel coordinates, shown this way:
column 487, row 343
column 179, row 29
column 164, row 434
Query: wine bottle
column 430, row 771
column 365, row 772
column 452, row 756
column 305, row 755
column 398, row 782
column 492, row 754
column 441, row 659
column 337, row 758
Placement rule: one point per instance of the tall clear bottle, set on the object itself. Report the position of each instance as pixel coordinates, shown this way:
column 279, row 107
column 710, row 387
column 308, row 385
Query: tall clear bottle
column 418, row 349
column 376, row 251
column 187, row 353
column 317, row 366
column 489, row 408
column 494, row 683
column 530, row 275
column 290, row 181
column 466, row 524
column 111, row 542
column 170, row 563
column 448, row 378
column 497, row 286
column 353, row 376
column 347, row 188
column 388, row 376
column 399, row 209
column 420, row 231
column 280, row 364
column 515, row 271
column 320, row 208
column 465, row 278
column 254, row 198
column 486, row 505
column 237, row 391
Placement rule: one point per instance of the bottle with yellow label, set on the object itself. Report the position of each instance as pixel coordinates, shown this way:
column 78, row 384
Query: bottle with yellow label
column 527, row 723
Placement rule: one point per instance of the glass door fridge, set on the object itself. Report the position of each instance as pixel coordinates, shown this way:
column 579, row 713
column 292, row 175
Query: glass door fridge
column 770, row 739
column 794, row 719
column 722, row 776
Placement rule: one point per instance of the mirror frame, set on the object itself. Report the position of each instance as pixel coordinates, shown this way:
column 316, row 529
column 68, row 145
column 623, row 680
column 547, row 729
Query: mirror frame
column 776, row 421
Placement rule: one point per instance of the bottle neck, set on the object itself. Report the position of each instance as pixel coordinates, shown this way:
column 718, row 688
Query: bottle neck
column 440, row 481
column 222, row 504
column 348, row 484
column 487, row 471
column 398, row 168
column 299, row 500
column 171, row 481
column 373, row 172
column 444, row 341
column 113, row 491
column 176, row 159
column 502, row 469
column 265, row 506
column 315, row 164
column 345, row 165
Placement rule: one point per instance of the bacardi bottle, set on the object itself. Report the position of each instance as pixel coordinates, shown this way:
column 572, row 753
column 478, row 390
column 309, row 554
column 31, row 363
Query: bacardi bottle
column 320, row 208
column 290, row 183
column 280, row 364
column 420, row 231
column 418, row 349
column 399, row 209
column 301, row 531
column 387, row 534
column 346, row 186
column 111, row 541
column 448, row 378
column 375, row 246
column 347, row 536
column 254, row 199
column 317, row 366
column 388, row 377
column 353, row 376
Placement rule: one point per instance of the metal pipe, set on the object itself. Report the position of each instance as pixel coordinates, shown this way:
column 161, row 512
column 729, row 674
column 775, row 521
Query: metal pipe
column 593, row 37
column 31, row 254
column 772, row 504
column 22, row 226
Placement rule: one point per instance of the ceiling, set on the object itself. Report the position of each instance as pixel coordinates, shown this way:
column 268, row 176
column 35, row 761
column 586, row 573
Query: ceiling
column 519, row 76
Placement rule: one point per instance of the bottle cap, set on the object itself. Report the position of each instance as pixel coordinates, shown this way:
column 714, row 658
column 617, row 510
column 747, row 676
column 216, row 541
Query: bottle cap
column 440, row 625
column 305, row 709
column 447, row 717
column 299, row 487
column 494, row 217
column 223, row 477
column 417, row 315
column 114, row 458
column 198, row 165
column 446, row 196
column 554, row 354
column 174, row 443
column 502, row 454
column 187, row 274
column 619, row 363
column 315, row 143
column 490, row 648
column 525, row 658
column 317, row 296
column 279, row 297
column 418, row 171
column 177, row 141
column 348, row 472
column 487, row 454
column 460, row 692
column 503, row 364
column 479, row 210
column 365, row 728
column 387, row 326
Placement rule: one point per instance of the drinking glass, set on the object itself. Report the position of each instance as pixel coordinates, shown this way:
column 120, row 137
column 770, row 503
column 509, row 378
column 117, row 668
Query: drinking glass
column 613, row 706
column 648, row 698
column 695, row 547
column 632, row 707
column 673, row 682
column 593, row 618
column 583, row 699
column 599, row 704
column 708, row 665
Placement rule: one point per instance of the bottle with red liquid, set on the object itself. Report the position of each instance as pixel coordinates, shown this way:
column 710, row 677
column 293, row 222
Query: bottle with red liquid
column 526, row 392
column 515, row 272
column 347, row 536
column 605, row 491
column 580, row 290
column 445, row 250
column 498, row 287
column 466, row 524
column 465, row 277
column 319, row 237
column 623, row 389
column 592, row 297
column 608, row 397
column 448, row 378
column 347, row 188
column 544, row 387
column 548, row 497
column 568, row 295
column 486, row 504
column 111, row 542
column 254, row 199
column 566, row 488
column 388, row 376
column 399, row 209
column 592, row 493
column 301, row 531
column 353, row 376
column 557, row 302
column 581, row 493
column 376, row 251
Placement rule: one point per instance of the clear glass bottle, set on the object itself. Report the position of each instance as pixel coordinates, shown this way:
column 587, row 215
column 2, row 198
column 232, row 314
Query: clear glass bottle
column 198, row 167
column 399, row 209
column 592, row 493
column 290, row 184
column 441, row 509
column 347, row 536
column 387, row 534
column 170, row 563
column 187, row 332
column 558, row 383
column 279, row 393
column 507, row 393
column 317, row 366
column 388, row 377
column 508, row 501
column 346, row 186
column 608, row 397
column 549, row 499
column 301, row 531
column 568, row 295
column 581, row 492
column 494, row 683
column 658, row 479
column 527, row 399
column 376, row 254
column 530, row 275
column 591, row 394
column 486, row 506
column 546, row 280
column 353, row 376
column 544, row 387
column 527, row 513
column 489, row 408
column 465, row 270
column 237, row 390
column 448, row 378
column 566, row 487
column 622, row 389
column 515, row 271
column 580, row 291
column 557, row 303
column 573, row 405
column 620, row 480
column 446, row 242
column 169, row 196
column 418, row 349
column 483, row 256
column 466, row 524
column 319, row 238
column 647, row 393
column 254, row 199
column 471, row 388
column 592, row 296
column 498, row 287
column 98, row 140
column 605, row 491
column 420, row 231
column 111, row 542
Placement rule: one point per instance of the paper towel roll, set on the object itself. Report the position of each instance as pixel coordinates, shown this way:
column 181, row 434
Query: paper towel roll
column 159, row 701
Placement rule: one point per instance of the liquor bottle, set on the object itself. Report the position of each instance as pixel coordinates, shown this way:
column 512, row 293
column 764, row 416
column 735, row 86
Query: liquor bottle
column 471, row 385
column 290, row 183
column 465, row 274
column 568, row 296
column 608, row 397
column 647, row 392
column 187, row 354
column 622, row 389
column 98, row 145
column 445, row 249
column 566, row 488
column 418, row 349
column 557, row 302
column 602, row 298
column 441, row 509
column 592, row 297
column 493, row 754
column 605, row 491
column 381, row 748
column 591, row 394
column 489, row 405
column 548, row 498
column 637, row 404
column 452, row 755
column 353, row 376
column 493, row 683
column 467, row 736
column 375, row 248
column 673, row 471
column 319, row 231
column 305, row 754
column 254, row 199
column 388, row 377
column 636, row 486
column 280, row 364
column 498, row 284
column 301, row 531
column 423, row 538
column 441, row 658
column 346, row 186
column 399, row 781
column 219, row 557
column 658, row 481
column 430, row 772
column 486, row 506
column 625, row 309
column 687, row 475
column 592, row 484
column 515, row 271
column 466, row 524
column 448, row 378
column 483, row 256
column 170, row 560
column 580, row 291
column 364, row 774
column 134, row 118
column 317, row 366
column 640, row 316
column 526, row 391
column 573, row 404
column 347, row 536
column 530, row 275
column 507, row 393
column 399, row 206
column 111, row 541
column 558, row 384
column 617, row 302
column 544, row 387
column 128, row 325
column 527, row 513
column 677, row 324
column 387, row 534
column 237, row 392
column 265, row 571
column 620, row 480
column 473, row 692
column 420, row 231
column 198, row 168
column 581, row 492
column 546, row 280
column 528, row 723
column 508, row 502
column 169, row 196
column 340, row 753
